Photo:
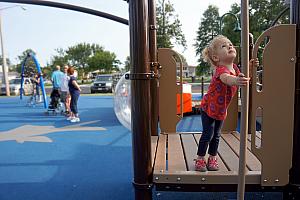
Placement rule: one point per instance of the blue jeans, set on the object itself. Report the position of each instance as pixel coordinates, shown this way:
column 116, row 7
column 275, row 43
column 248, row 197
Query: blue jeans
column 74, row 100
column 210, row 135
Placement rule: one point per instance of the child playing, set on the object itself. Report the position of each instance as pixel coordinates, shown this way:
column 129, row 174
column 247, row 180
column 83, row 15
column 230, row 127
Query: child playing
column 220, row 53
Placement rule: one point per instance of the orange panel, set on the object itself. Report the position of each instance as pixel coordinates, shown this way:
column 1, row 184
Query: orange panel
column 187, row 103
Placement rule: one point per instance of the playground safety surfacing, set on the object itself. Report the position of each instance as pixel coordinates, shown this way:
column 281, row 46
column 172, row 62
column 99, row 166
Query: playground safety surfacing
column 46, row 157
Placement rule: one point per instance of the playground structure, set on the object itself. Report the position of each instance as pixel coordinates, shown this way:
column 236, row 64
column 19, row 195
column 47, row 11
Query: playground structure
column 39, row 73
column 171, row 166
column 165, row 160
column 174, row 153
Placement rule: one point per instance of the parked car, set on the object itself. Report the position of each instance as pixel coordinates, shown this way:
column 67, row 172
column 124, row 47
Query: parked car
column 116, row 78
column 15, row 86
column 102, row 83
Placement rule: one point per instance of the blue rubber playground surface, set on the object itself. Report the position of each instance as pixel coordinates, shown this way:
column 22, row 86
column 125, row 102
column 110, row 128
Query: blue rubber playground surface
column 45, row 157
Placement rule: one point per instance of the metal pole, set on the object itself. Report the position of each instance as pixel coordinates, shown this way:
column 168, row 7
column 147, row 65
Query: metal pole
column 245, row 98
column 154, row 66
column 4, row 64
column 251, row 45
column 202, row 87
column 140, row 95
column 70, row 7
column 41, row 80
column 295, row 173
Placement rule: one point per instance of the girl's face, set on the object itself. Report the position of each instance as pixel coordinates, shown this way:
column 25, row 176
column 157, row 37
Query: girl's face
column 225, row 52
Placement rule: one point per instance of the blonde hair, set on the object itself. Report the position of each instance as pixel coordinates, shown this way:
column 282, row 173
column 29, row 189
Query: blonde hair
column 211, row 48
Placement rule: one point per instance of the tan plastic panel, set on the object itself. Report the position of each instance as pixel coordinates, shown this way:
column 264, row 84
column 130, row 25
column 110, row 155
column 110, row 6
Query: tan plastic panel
column 160, row 157
column 154, row 141
column 277, row 102
column 168, row 90
column 231, row 121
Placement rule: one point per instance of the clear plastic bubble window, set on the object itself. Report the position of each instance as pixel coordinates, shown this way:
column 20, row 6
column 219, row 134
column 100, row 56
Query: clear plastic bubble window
column 122, row 102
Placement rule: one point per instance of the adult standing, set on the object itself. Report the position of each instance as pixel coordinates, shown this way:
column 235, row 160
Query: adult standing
column 64, row 87
column 56, row 78
column 75, row 93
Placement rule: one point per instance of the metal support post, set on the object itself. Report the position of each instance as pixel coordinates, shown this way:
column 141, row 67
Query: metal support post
column 140, row 95
column 153, row 60
column 4, row 64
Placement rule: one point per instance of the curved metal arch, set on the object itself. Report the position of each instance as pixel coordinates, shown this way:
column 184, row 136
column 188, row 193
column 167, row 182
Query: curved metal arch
column 71, row 7
column 38, row 67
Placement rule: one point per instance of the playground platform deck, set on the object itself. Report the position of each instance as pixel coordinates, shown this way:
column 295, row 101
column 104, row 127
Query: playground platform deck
column 175, row 154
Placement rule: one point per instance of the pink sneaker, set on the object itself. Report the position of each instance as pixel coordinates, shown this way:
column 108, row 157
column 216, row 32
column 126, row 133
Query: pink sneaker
column 212, row 164
column 200, row 165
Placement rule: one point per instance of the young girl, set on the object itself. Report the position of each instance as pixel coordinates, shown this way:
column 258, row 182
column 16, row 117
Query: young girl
column 220, row 53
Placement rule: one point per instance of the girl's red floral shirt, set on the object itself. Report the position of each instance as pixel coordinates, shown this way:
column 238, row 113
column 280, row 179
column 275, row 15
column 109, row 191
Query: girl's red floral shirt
column 216, row 101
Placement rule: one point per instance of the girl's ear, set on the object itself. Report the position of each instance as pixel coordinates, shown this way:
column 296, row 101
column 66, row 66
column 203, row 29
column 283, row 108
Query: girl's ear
column 215, row 58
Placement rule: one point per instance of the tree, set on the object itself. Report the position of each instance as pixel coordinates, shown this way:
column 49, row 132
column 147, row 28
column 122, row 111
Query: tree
column 262, row 14
column 86, row 57
column 60, row 59
column 79, row 54
column 104, row 61
column 47, row 71
column 127, row 64
column 168, row 26
column 208, row 28
column 30, row 66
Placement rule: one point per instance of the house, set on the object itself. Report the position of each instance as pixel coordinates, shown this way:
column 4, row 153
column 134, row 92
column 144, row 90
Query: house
column 187, row 71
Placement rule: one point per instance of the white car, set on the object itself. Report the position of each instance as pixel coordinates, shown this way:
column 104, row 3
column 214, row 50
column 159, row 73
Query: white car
column 15, row 86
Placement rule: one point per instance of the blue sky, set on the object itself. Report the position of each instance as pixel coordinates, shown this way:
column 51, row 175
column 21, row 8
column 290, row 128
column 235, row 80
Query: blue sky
column 45, row 29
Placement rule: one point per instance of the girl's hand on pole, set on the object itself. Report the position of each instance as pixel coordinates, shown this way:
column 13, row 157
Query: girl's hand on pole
column 253, row 63
column 241, row 80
